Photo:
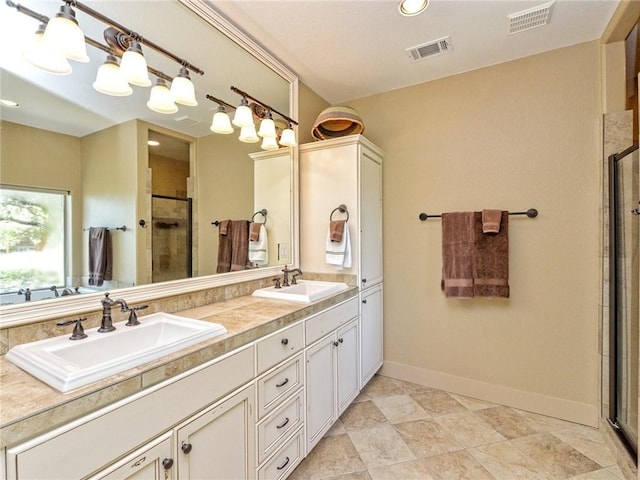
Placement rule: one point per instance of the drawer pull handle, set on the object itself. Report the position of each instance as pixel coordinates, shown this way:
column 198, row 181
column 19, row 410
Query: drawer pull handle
column 335, row 344
column 186, row 447
column 283, row 424
column 285, row 341
column 167, row 463
column 286, row 462
column 282, row 383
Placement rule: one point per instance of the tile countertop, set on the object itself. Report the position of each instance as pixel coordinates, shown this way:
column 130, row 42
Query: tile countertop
column 29, row 407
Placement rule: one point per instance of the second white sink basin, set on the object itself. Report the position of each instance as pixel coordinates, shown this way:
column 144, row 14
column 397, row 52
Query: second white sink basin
column 305, row 291
column 65, row 364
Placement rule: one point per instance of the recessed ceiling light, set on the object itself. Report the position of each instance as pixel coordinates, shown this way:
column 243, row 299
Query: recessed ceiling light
column 9, row 103
column 153, row 143
column 409, row 8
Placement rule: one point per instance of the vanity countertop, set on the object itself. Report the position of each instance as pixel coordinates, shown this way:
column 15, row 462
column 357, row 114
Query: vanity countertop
column 29, row 407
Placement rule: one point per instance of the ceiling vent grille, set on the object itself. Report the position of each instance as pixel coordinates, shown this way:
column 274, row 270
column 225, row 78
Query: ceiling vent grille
column 530, row 18
column 435, row 47
column 186, row 121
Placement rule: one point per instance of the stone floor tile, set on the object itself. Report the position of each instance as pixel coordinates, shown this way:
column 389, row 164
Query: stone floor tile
column 602, row 474
column 336, row 429
column 413, row 470
column 437, row 402
column 362, row 415
column 543, row 423
column 426, row 438
column 400, row 408
column 507, row 421
column 473, row 403
column 380, row 446
column 469, row 429
column 380, row 386
column 364, row 475
column 456, row 465
column 506, row 462
column 589, row 442
column 332, row 456
column 409, row 387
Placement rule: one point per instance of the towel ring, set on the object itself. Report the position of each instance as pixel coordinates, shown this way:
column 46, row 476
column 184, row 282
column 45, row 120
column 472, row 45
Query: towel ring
column 342, row 208
column 262, row 212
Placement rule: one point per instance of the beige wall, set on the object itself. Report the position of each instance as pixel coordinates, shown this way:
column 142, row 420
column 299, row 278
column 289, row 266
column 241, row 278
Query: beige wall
column 517, row 135
column 310, row 106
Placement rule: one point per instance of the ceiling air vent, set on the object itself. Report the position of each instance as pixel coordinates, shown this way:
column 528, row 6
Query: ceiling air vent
column 530, row 18
column 186, row 121
column 435, row 47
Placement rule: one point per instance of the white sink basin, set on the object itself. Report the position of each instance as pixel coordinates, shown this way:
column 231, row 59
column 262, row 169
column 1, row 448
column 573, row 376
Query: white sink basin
column 65, row 364
column 304, row 291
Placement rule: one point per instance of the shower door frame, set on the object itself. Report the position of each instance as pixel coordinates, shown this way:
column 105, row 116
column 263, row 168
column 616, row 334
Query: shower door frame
column 614, row 250
column 189, row 249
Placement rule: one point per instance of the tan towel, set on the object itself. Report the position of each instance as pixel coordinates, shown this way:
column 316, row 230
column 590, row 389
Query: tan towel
column 233, row 246
column 457, row 254
column 254, row 231
column 491, row 221
column 223, row 228
column 336, row 229
column 100, row 256
column 491, row 259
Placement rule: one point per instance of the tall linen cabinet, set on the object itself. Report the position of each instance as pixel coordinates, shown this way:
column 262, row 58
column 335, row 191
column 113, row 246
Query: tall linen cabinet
column 347, row 171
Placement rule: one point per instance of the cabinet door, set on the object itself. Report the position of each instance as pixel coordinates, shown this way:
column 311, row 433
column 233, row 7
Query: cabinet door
column 347, row 365
column 219, row 443
column 370, row 220
column 320, row 383
column 371, row 333
column 154, row 461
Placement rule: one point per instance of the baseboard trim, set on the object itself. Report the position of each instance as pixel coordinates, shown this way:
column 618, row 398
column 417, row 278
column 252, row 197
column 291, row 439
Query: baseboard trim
column 569, row 410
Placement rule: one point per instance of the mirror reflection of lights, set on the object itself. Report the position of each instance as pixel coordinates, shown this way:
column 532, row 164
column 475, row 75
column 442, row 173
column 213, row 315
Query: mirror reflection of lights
column 5, row 102
column 153, row 143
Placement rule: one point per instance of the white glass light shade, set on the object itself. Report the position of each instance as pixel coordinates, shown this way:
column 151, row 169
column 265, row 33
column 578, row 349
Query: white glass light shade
column 243, row 116
column 267, row 128
column 409, row 8
column 221, row 122
column 42, row 55
column 248, row 135
column 182, row 89
column 134, row 67
column 64, row 34
column 160, row 99
column 269, row 143
column 288, row 138
column 110, row 81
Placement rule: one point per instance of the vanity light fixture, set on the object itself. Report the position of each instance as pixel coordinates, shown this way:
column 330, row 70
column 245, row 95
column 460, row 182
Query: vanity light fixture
column 160, row 100
column 248, row 135
column 42, row 55
column 267, row 127
column 64, row 34
column 134, row 67
column 5, row 102
column 288, row 137
column 410, row 8
column 221, row 122
column 110, row 80
column 269, row 143
column 244, row 115
column 182, row 89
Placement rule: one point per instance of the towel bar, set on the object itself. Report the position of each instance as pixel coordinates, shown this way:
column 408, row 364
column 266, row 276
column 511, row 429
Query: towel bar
column 262, row 212
column 342, row 208
column 531, row 213
column 123, row 228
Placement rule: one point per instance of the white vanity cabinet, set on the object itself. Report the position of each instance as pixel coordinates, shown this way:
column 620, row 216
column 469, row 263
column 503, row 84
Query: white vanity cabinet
column 347, row 170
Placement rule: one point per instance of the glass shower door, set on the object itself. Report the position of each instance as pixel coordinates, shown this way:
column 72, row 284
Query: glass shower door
column 171, row 238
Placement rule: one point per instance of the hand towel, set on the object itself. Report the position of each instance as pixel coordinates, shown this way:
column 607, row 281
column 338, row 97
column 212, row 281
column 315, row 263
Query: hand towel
column 491, row 259
column 254, row 231
column 339, row 253
column 224, row 247
column 100, row 256
column 259, row 248
column 457, row 254
column 491, row 221
column 336, row 228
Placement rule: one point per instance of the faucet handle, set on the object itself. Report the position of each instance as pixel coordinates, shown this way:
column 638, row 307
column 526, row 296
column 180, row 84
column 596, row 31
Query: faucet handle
column 294, row 279
column 277, row 282
column 78, row 330
column 133, row 315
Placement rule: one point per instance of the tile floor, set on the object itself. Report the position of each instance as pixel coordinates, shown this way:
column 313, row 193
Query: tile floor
column 402, row 431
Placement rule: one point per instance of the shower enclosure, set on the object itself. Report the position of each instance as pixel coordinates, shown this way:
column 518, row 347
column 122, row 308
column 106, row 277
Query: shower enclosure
column 171, row 238
column 624, row 293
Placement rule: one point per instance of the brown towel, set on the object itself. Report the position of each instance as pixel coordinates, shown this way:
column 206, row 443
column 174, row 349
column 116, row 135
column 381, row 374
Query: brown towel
column 100, row 256
column 337, row 230
column 491, row 259
column 223, row 228
column 224, row 247
column 233, row 246
column 254, row 231
column 491, row 221
column 457, row 254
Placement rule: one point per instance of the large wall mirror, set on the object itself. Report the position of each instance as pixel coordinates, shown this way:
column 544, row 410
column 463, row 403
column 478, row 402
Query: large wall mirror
column 72, row 158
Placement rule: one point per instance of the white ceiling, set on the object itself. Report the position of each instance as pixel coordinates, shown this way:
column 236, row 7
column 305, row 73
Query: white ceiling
column 345, row 49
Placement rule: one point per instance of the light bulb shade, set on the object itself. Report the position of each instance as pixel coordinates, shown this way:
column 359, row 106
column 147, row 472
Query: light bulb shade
column 160, row 99
column 288, row 138
column 182, row 89
column 221, row 122
column 243, row 116
column 64, row 34
column 248, row 135
column 42, row 55
column 409, row 8
column 269, row 143
column 109, row 79
column 267, row 128
column 134, row 67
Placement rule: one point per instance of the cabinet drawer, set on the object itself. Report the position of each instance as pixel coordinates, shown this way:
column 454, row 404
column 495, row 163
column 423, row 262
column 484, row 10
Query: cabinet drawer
column 278, row 425
column 284, row 461
column 319, row 325
column 277, row 347
column 275, row 386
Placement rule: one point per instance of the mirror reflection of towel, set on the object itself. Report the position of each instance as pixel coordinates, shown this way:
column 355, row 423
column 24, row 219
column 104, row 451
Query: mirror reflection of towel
column 100, row 256
column 233, row 246
column 259, row 248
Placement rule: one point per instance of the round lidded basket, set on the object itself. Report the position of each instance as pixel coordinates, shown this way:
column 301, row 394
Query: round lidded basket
column 337, row 121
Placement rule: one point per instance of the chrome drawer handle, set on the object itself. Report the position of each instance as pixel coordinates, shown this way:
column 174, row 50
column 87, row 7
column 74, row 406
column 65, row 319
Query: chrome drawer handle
column 283, row 383
column 283, row 424
column 286, row 462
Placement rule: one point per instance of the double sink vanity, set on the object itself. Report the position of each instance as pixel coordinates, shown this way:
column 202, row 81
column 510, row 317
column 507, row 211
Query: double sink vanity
column 241, row 388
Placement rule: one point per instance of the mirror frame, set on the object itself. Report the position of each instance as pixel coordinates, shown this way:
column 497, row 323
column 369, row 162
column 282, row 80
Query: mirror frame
column 31, row 312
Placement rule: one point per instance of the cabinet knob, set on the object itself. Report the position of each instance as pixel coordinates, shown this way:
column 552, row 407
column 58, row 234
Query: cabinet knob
column 167, row 463
column 364, row 301
column 341, row 340
column 364, row 280
column 285, row 341
column 185, row 447
column 335, row 344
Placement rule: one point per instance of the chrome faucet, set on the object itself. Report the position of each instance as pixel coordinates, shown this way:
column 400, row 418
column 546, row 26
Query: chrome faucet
column 106, row 325
column 26, row 292
column 285, row 276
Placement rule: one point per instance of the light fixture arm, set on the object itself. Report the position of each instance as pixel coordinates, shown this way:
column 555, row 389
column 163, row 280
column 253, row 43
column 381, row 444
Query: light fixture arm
column 267, row 107
column 27, row 11
column 219, row 102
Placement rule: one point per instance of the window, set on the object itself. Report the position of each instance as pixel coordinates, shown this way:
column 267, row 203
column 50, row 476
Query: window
column 32, row 238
